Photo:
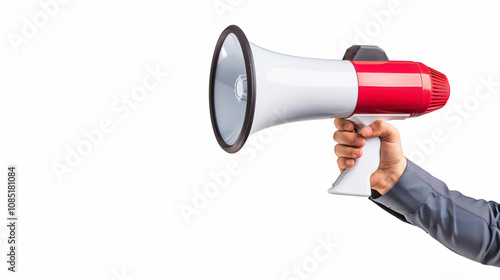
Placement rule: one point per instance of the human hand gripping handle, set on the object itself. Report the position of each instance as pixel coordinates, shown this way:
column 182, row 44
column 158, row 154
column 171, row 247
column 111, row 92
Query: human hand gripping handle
column 371, row 157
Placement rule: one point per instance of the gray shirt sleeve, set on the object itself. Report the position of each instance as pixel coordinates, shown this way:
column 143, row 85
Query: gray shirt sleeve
column 465, row 225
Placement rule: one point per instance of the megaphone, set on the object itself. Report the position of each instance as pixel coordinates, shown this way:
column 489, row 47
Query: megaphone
column 252, row 88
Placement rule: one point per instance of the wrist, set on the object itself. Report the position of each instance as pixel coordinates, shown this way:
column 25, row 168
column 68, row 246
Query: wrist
column 392, row 177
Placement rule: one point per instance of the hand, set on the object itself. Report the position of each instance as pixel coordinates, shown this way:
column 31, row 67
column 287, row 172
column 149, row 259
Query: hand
column 392, row 161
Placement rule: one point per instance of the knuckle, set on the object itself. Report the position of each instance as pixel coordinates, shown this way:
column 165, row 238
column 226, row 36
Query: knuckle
column 380, row 123
column 336, row 135
column 338, row 123
column 341, row 162
column 340, row 150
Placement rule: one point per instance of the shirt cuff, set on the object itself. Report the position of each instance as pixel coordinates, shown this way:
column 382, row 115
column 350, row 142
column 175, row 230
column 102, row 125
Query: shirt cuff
column 409, row 193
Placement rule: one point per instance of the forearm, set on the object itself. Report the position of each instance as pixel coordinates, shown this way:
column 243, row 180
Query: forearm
column 465, row 225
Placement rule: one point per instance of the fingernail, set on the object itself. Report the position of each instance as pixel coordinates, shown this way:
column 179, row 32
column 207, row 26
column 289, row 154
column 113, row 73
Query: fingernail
column 348, row 162
column 359, row 141
column 356, row 152
column 368, row 129
column 346, row 126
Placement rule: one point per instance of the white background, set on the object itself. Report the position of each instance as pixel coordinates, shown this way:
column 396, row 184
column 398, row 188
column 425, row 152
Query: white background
column 116, row 214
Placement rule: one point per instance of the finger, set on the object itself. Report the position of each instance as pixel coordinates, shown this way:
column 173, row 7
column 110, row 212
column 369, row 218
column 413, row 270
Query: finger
column 342, row 124
column 349, row 138
column 344, row 163
column 381, row 129
column 348, row 152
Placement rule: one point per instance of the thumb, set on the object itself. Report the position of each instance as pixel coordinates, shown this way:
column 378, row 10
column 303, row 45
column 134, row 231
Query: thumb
column 377, row 178
column 381, row 129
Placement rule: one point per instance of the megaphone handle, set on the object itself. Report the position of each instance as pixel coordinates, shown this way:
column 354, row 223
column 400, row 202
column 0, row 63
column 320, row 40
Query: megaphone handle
column 356, row 180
